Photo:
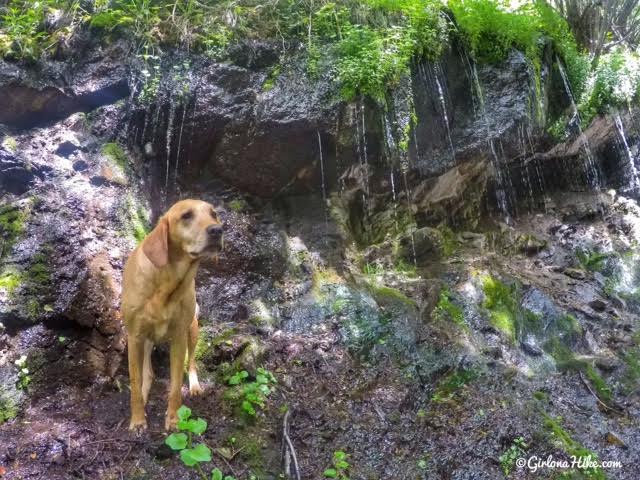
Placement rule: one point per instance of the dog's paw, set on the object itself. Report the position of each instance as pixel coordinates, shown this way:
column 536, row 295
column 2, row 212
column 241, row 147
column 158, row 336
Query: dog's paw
column 195, row 389
column 138, row 427
column 170, row 422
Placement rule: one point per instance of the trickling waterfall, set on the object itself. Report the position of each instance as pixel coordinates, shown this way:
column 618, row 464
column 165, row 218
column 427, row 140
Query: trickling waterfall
column 323, row 185
column 170, row 121
column 443, row 104
column 395, row 200
column 184, row 114
column 477, row 94
column 410, row 205
column 632, row 162
column 364, row 148
column 591, row 168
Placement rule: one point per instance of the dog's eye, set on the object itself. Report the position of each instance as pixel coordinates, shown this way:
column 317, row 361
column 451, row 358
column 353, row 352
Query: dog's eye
column 214, row 215
column 188, row 215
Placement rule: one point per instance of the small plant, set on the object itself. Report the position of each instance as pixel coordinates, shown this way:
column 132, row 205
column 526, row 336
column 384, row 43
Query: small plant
column 446, row 309
column 253, row 393
column 591, row 260
column 452, row 383
column 216, row 474
column 373, row 269
column 10, row 144
column 23, row 372
column 191, row 456
column 515, row 451
column 340, row 466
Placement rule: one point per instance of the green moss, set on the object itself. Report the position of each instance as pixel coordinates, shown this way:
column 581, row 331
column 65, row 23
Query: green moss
column 602, row 389
column 8, row 407
column 238, row 205
column 207, row 341
column 33, row 308
column 10, row 144
column 135, row 219
column 448, row 241
column 563, row 440
column 116, row 154
column 447, row 310
column 384, row 294
column 452, row 383
column 502, row 302
column 564, row 357
column 591, row 260
column 272, row 78
column 10, row 281
column 631, row 376
column 12, row 225
column 567, row 360
column 39, row 272
column 567, row 327
column 541, row 396
column 251, row 449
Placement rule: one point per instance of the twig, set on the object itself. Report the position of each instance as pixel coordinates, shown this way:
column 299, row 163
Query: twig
column 586, row 384
column 110, row 440
column 290, row 450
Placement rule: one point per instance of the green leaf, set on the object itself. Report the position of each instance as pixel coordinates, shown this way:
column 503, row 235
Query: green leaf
column 238, row 377
column 247, row 407
column 197, row 454
column 184, row 413
column 331, row 473
column 342, row 464
column 197, row 426
column 216, row 474
column 229, row 477
column 177, row 441
column 339, row 455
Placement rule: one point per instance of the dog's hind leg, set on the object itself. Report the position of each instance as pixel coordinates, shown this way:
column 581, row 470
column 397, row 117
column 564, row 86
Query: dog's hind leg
column 147, row 371
column 194, row 384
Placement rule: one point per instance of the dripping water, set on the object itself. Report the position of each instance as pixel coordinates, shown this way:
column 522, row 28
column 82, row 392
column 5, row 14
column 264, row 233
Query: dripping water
column 395, row 200
column 443, row 105
column 501, row 194
column 324, row 189
column 593, row 176
column 184, row 114
column 364, row 150
column 170, row 122
column 632, row 163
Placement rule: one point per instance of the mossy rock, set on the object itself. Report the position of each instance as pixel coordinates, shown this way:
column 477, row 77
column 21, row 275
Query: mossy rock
column 12, row 225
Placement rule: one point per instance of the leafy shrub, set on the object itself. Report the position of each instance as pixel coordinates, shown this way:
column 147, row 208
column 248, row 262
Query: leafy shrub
column 254, row 393
column 615, row 82
column 21, row 35
column 492, row 28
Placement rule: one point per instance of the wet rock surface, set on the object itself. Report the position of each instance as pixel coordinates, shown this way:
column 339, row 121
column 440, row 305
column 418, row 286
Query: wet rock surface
column 407, row 320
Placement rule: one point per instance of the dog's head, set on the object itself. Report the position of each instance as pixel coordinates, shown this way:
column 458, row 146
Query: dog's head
column 189, row 227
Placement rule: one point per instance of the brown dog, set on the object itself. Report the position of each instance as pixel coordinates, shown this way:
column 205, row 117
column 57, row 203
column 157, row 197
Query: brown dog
column 159, row 300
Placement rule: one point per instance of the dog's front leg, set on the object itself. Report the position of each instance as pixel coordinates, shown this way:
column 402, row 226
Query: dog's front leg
column 136, row 357
column 177, row 355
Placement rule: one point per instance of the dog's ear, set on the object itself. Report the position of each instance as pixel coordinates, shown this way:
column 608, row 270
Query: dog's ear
column 156, row 245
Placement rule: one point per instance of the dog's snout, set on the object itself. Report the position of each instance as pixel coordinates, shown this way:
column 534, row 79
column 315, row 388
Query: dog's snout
column 215, row 230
